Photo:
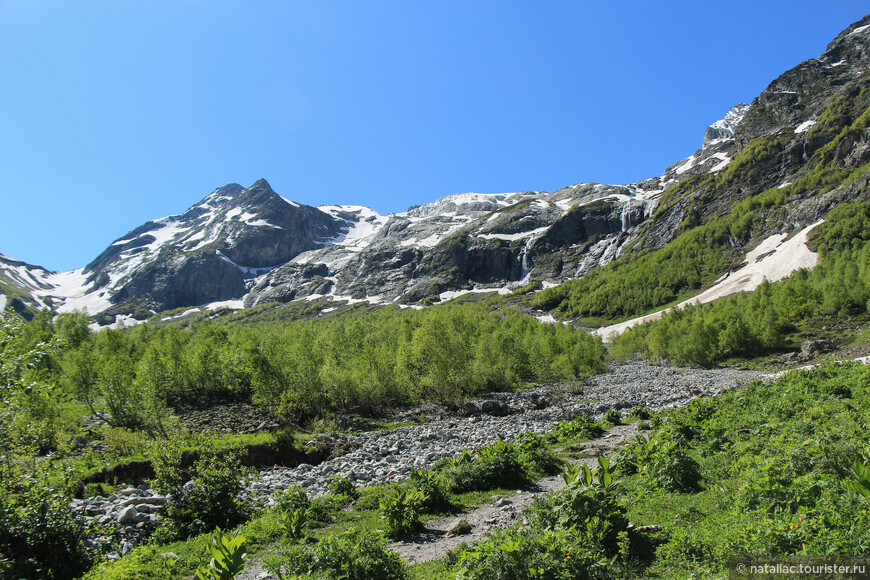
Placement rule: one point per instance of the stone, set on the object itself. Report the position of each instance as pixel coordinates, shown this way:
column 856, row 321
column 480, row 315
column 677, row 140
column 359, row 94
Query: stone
column 814, row 346
column 128, row 515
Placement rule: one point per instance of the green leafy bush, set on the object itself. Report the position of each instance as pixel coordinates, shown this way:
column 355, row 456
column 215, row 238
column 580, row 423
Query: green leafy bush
column 860, row 481
column 402, row 510
column 227, row 557
column 536, row 455
column 40, row 537
column 537, row 553
column 211, row 498
column 350, row 555
column 343, row 485
column 436, row 495
column 613, row 416
column 580, row 427
column 498, row 465
column 293, row 498
column 638, row 412
column 292, row 522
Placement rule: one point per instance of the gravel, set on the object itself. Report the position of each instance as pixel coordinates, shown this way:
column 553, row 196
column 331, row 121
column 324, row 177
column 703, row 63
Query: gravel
column 388, row 456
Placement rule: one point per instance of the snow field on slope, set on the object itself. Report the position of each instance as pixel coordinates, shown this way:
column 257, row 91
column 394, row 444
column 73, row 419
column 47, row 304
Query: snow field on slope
column 773, row 259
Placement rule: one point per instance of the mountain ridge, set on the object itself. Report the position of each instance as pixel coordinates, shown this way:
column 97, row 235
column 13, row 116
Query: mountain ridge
column 248, row 246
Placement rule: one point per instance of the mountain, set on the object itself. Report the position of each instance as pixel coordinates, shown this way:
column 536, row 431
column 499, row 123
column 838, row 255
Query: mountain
column 243, row 247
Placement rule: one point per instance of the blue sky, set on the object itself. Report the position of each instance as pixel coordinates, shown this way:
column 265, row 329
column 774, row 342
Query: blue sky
column 118, row 112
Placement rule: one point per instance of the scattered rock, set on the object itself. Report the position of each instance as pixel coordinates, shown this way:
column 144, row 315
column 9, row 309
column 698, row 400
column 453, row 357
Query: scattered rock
column 812, row 347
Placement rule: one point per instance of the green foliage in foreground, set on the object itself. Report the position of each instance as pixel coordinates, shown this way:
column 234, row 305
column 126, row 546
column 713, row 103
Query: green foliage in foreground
column 39, row 536
column 770, row 468
column 762, row 470
column 750, row 324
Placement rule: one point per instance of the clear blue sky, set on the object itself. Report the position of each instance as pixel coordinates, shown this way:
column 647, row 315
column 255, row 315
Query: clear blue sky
column 117, row 112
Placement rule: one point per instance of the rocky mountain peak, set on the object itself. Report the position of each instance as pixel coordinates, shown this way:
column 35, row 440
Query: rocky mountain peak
column 724, row 128
column 252, row 246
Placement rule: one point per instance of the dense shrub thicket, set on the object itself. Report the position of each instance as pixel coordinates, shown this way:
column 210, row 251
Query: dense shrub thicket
column 749, row 324
column 301, row 371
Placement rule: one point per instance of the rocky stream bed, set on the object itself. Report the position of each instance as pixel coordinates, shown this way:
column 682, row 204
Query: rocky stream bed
column 388, row 456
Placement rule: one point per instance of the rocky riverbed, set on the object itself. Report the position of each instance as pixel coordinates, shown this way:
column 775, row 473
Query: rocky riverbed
column 388, row 456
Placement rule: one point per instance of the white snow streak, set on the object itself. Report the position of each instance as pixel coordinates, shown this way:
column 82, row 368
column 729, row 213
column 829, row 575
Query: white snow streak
column 773, row 260
column 805, row 126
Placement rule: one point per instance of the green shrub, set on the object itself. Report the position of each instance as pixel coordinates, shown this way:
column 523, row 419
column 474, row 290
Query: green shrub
column 293, row 498
column 323, row 509
column 343, row 485
column 211, row 499
column 589, row 495
column 436, row 495
column 292, row 522
column 538, row 553
column 40, row 537
column 859, row 483
column 227, row 557
column 402, row 510
column 536, row 456
column 497, row 465
column 350, row 555
column 613, row 416
column 580, row 427
column 638, row 412
column 674, row 470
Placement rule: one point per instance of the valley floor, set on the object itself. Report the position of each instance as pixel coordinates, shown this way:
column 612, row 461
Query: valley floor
column 383, row 457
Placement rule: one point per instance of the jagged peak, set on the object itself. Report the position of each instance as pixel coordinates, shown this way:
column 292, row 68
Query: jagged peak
column 724, row 127
column 861, row 26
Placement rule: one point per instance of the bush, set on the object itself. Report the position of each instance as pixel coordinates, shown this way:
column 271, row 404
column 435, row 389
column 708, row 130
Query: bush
column 227, row 557
column 210, row 499
column 292, row 522
column 613, row 416
column 436, row 496
column 673, row 469
column 498, row 465
column 40, row 537
column 351, row 555
column 580, row 427
column 323, row 509
column 293, row 498
column 538, row 459
column 638, row 412
column 402, row 510
column 526, row 554
column 589, row 496
column 343, row 485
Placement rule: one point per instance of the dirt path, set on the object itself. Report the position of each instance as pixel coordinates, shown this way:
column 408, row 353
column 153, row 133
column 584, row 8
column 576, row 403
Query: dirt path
column 434, row 541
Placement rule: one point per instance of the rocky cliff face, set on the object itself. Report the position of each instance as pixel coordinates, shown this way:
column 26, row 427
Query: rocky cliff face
column 251, row 246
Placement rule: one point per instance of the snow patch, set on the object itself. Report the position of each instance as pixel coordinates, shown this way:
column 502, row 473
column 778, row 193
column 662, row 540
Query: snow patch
column 429, row 242
column 687, row 165
column 2, row 302
column 231, row 304
column 451, row 294
column 264, row 223
column 773, row 259
column 513, row 237
column 805, row 126
column 71, row 286
column 182, row 315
